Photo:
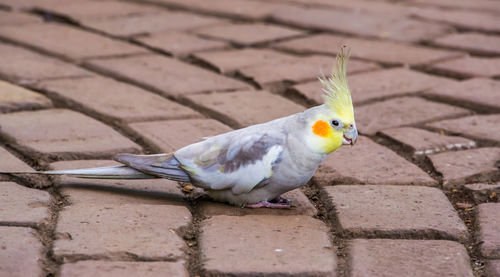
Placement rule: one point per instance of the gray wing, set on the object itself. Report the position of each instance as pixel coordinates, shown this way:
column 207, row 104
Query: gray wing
column 238, row 160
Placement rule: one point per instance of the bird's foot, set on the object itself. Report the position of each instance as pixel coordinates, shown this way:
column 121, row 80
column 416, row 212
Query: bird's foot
column 277, row 203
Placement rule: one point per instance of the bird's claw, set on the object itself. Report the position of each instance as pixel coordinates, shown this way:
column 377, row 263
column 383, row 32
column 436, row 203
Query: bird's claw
column 277, row 203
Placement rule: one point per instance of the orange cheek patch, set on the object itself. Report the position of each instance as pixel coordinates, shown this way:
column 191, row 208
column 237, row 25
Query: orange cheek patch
column 321, row 128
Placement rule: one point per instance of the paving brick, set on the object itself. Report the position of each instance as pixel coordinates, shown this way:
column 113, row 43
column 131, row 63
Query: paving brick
column 125, row 269
column 15, row 98
column 398, row 211
column 22, row 66
column 483, row 192
column 20, row 252
column 374, row 50
column 480, row 127
column 9, row 162
column 265, row 245
column 94, row 191
column 298, row 70
column 481, row 5
column 468, row 20
column 63, row 133
column 168, row 136
column 233, row 8
column 11, row 18
column 459, row 168
column 384, row 257
column 377, row 7
column 248, row 33
column 245, row 108
column 167, row 75
column 22, row 205
column 78, row 44
column 86, row 10
column 493, row 268
column 370, row 163
column 369, row 86
column 467, row 67
column 420, row 142
column 141, row 24
column 489, row 229
column 118, row 100
column 299, row 202
column 231, row 60
column 114, row 231
column 402, row 111
column 476, row 43
column 361, row 24
column 180, row 44
column 484, row 98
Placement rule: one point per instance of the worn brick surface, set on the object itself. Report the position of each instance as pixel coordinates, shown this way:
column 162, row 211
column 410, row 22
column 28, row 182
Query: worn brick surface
column 384, row 257
column 21, row 251
column 481, row 5
column 483, row 192
column 401, row 112
column 180, row 44
column 10, row 18
column 23, row 66
column 482, row 127
column 297, row 245
column 9, row 162
column 116, row 100
column 493, row 268
column 15, row 98
column 374, row 50
column 248, row 33
column 298, row 70
column 370, row 163
column 63, row 133
column 164, row 74
column 123, row 269
column 489, row 229
column 361, row 23
column 245, row 108
column 22, row 205
column 377, row 7
column 231, row 60
column 467, row 166
column 396, row 211
column 233, row 8
column 379, row 84
column 169, row 136
column 299, row 202
column 151, row 23
column 468, row 20
column 391, row 82
column 147, row 231
column 93, row 10
column 78, row 44
column 472, row 42
column 467, row 67
column 485, row 96
column 94, row 191
column 422, row 142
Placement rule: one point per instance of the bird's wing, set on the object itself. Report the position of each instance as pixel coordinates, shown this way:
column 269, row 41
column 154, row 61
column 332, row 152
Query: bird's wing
column 238, row 160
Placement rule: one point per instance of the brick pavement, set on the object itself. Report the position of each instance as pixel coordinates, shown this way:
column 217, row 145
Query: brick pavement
column 418, row 194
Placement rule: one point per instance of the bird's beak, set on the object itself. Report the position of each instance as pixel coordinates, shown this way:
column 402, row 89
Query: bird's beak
column 350, row 136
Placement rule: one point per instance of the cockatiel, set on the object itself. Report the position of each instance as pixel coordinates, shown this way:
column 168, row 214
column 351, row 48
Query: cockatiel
column 253, row 166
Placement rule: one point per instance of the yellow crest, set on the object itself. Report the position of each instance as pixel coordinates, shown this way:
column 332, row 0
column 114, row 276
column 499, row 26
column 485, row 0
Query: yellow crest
column 336, row 91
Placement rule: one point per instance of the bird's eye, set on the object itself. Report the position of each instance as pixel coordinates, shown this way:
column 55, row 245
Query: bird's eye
column 335, row 123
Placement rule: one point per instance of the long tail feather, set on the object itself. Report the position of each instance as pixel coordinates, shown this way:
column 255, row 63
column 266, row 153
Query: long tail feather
column 109, row 172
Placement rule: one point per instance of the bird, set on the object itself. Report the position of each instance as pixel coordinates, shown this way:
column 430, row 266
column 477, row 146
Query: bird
column 253, row 166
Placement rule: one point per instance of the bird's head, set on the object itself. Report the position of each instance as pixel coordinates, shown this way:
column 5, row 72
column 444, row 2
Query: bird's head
column 333, row 125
